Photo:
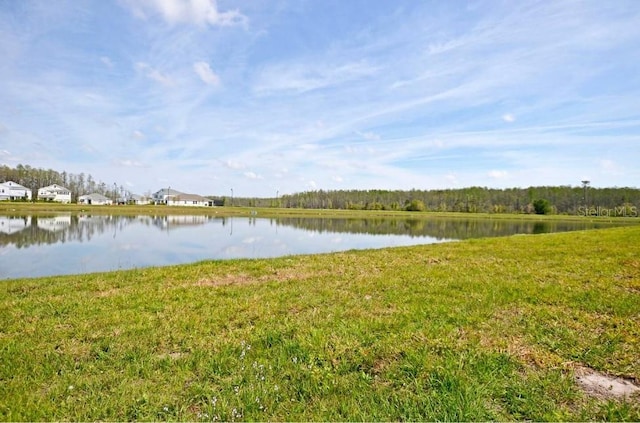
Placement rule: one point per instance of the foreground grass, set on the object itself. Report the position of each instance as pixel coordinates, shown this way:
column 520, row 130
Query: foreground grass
column 489, row 329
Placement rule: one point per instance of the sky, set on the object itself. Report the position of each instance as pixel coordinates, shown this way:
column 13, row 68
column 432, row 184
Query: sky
column 259, row 98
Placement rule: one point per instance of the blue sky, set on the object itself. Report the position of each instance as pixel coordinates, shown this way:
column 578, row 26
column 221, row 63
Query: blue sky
column 282, row 96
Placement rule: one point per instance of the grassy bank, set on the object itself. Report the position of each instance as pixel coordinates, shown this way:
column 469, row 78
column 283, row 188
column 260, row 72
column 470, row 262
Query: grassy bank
column 488, row 329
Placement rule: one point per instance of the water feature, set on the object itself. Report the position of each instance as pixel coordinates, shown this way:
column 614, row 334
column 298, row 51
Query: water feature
column 33, row 246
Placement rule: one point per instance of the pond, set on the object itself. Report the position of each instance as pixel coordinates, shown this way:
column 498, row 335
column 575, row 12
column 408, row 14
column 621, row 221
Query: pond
column 34, row 246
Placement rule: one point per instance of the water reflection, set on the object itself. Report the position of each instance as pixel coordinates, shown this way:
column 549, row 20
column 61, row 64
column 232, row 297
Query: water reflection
column 439, row 228
column 66, row 244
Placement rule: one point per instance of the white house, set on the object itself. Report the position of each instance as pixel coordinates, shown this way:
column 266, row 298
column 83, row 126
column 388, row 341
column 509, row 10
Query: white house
column 94, row 199
column 12, row 191
column 139, row 200
column 165, row 195
column 190, row 200
column 56, row 193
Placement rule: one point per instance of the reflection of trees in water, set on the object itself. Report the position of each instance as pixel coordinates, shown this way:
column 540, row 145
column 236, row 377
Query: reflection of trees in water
column 42, row 230
column 54, row 229
column 39, row 230
column 439, row 228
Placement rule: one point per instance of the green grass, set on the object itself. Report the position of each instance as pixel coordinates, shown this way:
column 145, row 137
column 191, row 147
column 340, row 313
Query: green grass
column 486, row 329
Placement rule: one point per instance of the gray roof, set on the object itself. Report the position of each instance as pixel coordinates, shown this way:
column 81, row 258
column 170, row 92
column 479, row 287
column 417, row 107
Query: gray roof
column 56, row 188
column 94, row 197
column 13, row 185
column 167, row 191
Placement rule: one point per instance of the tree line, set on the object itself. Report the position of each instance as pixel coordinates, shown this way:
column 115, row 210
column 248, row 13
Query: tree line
column 542, row 200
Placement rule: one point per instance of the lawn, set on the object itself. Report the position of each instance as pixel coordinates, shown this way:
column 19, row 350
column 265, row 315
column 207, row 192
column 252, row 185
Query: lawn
column 484, row 329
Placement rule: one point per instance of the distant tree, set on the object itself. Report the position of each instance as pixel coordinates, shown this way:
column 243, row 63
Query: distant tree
column 541, row 206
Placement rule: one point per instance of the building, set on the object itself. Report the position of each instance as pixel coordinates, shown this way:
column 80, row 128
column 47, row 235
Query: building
column 139, row 200
column 95, row 199
column 164, row 195
column 189, row 200
column 12, row 191
column 55, row 193
column 171, row 197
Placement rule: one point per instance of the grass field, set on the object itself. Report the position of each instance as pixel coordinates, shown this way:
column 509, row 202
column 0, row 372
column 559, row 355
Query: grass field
column 485, row 329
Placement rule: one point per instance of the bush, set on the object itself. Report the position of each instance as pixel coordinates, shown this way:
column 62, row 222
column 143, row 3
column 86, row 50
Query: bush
column 415, row 205
column 541, row 206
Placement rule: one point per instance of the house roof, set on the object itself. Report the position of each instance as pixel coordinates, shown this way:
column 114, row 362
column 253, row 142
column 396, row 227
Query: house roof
column 55, row 188
column 167, row 191
column 94, row 197
column 13, row 185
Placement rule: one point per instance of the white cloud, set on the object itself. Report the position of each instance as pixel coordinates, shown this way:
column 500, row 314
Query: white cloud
column 337, row 178
column 302, row 77
column 498, row 174
column 232, row 164
column 198, row 12
column 251, row 175
column 154, row 74
column 610, row 167
column 139, row 135
column 508, row 117
column 205, row 73
column 369, row 136
column 451, row 179
column 308, row 147
column 128, row 163
column 107, row 61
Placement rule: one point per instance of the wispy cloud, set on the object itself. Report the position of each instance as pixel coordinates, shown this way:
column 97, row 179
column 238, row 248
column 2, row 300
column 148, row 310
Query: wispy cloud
column 106, row 61
column 508, row 117
column 302, row 77
column 128, row 163
column 252, row 175
column 138, row 135
column 498, row 174
column 198, row 12
column 154, row 74
column 206, row 74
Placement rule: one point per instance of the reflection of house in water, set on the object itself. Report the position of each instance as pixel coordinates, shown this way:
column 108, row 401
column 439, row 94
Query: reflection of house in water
column 55, row 223
column 94, row 199
column 12, row 224
column 168, row 222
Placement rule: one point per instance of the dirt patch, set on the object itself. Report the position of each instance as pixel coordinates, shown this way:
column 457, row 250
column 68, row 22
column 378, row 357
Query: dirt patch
column 603, row 386
column 108, row 293
column 172, row 355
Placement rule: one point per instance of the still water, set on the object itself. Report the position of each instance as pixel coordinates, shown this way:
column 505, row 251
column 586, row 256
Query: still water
column 33, row 246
